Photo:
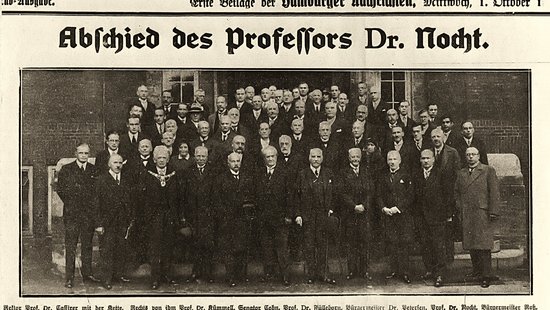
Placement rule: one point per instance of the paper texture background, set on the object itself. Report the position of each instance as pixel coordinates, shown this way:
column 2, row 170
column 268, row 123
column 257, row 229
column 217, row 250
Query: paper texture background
column 32, row 40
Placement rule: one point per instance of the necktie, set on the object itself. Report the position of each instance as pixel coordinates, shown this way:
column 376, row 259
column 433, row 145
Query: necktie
column 269, row 173
column 392, row 174
column 356, row 171
column 470, row 170
column 82, row 168
column 469, row 142
column 356, row 141
column 236, row 176
column 426, row 174
column 134, row 140
column 201, row 170
column 316, row 173
column 117, row 179
column 418, row 145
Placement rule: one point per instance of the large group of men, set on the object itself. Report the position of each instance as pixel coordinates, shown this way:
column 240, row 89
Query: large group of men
column 285, row 170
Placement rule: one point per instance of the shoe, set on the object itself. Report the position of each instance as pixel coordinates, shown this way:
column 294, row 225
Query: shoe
column 309, row 281
column 286, row 283
column 438, row 281
column 350, row 276
column 232, row 283
column 155, row 285
column 485, row 283
column 211, row 280
column 330, row 281
column 367, row 276
column 107, row 285
column 428, row 275
column 391, row 275
column 69, row 283
column 193, row 278
column 123, row 279
column 90, row 279
column 406, row 279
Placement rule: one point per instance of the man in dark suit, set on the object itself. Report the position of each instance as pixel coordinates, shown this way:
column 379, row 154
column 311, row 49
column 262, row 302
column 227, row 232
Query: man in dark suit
column 258, row 114
column 114, row 191
column 316, row 214
column 159, row 192
column 357, row 138
column 233, row 201
column 278, row 125
column 310, row 124
column 425, row 124
column 274, row 214
column 221, row 110
column 303, row 94
column 419, row 145
column 286, row 109
column 200, row 100
column 377, row 107
column 405, row 148
column 315, row 107
column 362, row 95
column 404, row 120
column 190, row 131
column 155, row 130
column 386, row 134
column 434, row 206
column 345, row 110
column 370, row 130
column 76, row 188
column 238, row 126
column 261, row 142
column 356, row 194
column 204, row 138
column 477, row 199
column 447, row 161
column 169, row 109
column 199, row 214
column 432, row 112
column 102, row 158
column 181, row 115
column 451, row 136
column 222, row 138
column 331, row 146
column 130, row 140
column 470, row 140
column 395, row 197
column 147, row 106
column 299, row 139
column 240, row 103
column 339, row 128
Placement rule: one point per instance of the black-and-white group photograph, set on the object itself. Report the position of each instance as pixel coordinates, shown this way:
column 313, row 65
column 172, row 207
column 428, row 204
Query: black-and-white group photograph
column 275, row 182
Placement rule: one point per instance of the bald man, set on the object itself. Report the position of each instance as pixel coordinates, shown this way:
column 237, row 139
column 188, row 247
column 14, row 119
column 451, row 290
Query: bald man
column 356, row 194
column 316, row 211
column 477, row 198
column 394, row 198
column 114, row 191
column 233, row 197
column 159, row 192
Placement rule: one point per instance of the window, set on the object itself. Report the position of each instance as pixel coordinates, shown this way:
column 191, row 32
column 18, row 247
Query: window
column 393, row 87
column 182, row 83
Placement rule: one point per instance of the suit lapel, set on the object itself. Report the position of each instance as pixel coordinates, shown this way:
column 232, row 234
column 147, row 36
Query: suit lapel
column 474, row 175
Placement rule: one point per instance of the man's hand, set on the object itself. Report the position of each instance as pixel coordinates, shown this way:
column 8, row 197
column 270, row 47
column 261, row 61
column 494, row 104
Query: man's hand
column 387, row 211
column 299, row 220
column 395, row 210
column 330, row 212
column 359, row 208
column 288, row 220
column 493, row 217
column 100, row 230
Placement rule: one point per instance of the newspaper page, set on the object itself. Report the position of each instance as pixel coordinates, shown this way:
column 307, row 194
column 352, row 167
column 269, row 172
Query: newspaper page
column 419, row 184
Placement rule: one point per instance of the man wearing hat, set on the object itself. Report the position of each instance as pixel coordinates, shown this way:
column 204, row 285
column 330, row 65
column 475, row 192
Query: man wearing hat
column 316, row 215
column 233, row 201
column 191, row 128
column 159, row 191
